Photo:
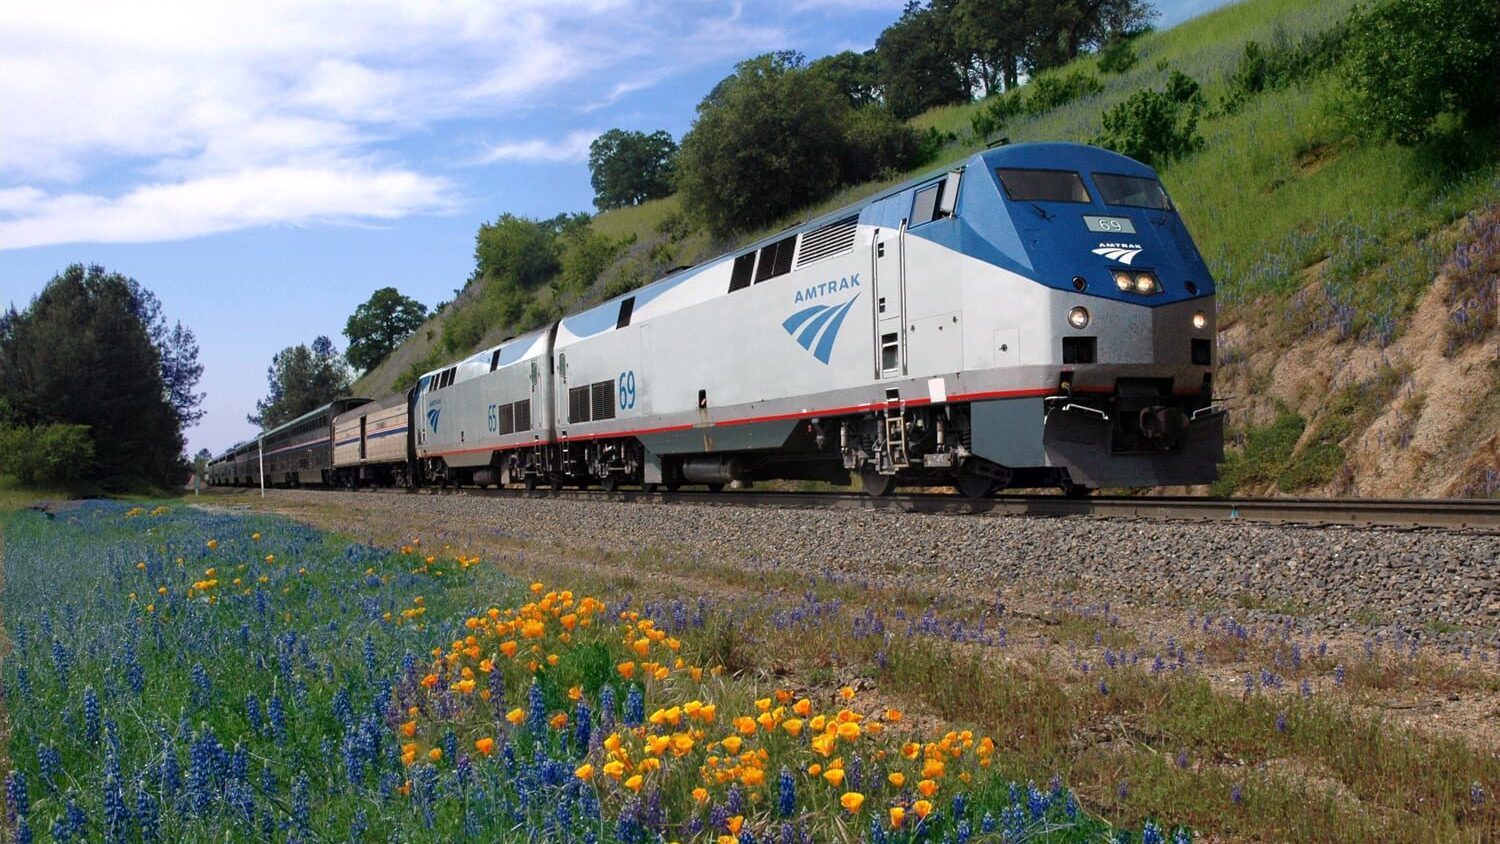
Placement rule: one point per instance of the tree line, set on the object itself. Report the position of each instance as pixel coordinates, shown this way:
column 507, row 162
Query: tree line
column 95, row 384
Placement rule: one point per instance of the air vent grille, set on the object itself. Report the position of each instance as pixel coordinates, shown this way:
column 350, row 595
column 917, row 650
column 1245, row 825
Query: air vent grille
column 835, row 238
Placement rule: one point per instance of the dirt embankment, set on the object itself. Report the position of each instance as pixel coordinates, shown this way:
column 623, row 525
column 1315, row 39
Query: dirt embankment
column 1425, row 420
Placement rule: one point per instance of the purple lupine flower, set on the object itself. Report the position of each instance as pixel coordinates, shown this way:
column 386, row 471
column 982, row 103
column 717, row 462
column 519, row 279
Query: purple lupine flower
column 342, row 707
column 202, row 691
column 1281, row 722
column 607, row 708
column 91, row 726
column 17, row 800
column 1182, row 759
column 635, row 707
column 1236, row 796
column 301, row 807
column 1151, row 834
column 1476, row 795
column 278, row 719
column 1306, row 688
column 116, row 814
column 583, row 724
column 786, row 802
column 536, row 708
column 497, row 691
column 1338, row 676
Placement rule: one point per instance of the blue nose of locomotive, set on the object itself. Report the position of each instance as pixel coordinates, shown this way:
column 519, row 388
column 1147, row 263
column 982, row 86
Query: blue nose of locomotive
column 1083, row 219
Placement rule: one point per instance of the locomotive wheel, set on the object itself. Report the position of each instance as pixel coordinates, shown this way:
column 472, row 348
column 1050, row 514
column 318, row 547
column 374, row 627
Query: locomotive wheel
column 875, row 484
column 1073, row 490
column 975, row 486
column 610, row 483
column 715, row 487
column 673, row 487
column 531, row 482
column 555, row 484
column 648, row 488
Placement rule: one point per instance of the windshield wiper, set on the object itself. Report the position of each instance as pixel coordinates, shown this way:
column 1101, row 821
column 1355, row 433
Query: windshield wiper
column 1040, row 211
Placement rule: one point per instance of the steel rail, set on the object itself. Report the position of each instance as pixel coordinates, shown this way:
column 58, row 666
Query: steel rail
column 1450, row 513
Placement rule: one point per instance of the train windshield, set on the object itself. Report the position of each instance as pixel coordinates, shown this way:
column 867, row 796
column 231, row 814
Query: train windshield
column 1043, row 185
column 1132, row 191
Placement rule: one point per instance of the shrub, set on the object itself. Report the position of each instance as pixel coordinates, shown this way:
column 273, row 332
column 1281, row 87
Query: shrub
column 1118, row 57
column 874, row 142
column 998, row 109
column 1263, row 457
column 1050, row 91
column 46, row 454
column 1411, row 61
column 675, row 224
column 586, row 255
column 1280, row 64
column 1156, row 127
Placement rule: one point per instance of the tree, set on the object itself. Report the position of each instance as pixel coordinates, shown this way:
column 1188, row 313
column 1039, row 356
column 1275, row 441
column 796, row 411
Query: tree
column 1411, row 61
column 766, row 142
column 628, row 168
column 379, row 325
column 1066, row 28
column 996, row 35
column 201, row 461
column 855, row 75
column 518, row 251
column 81, row 355
column 775, row 137
column 919, row 60
column 301, row 378
column 178, row 349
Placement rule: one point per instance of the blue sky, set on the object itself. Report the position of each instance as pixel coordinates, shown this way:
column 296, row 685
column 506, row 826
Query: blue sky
column 264, row 166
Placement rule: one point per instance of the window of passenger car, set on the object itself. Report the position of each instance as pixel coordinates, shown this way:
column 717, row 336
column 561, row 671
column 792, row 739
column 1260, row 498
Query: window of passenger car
column 1132, row 191
column 1043, row 185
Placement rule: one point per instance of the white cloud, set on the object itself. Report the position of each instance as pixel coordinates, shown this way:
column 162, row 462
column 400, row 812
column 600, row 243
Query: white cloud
column 276, row 195
column 573, row 148
column 110, row 109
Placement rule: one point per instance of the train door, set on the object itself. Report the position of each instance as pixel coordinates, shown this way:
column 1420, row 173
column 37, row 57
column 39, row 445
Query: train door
column 362, row 450
column 890, row 302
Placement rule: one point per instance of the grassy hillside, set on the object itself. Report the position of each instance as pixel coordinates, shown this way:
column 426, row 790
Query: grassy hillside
column 1309, row 232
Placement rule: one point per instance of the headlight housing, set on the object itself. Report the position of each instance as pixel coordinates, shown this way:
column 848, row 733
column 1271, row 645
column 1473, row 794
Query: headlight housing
column 1123, row 281
column 1200, row 320
column 1078, row 317
column 1146, row 284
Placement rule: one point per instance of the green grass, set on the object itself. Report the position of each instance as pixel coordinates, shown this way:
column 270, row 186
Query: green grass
column 17, row 496
column 207, row 677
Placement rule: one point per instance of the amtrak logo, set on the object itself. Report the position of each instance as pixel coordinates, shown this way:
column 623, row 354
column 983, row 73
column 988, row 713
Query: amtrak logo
column 818, row 324
column 1122, row 252
column 432, row 417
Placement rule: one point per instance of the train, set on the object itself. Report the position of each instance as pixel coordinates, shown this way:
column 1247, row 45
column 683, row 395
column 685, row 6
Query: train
column 1036, row 316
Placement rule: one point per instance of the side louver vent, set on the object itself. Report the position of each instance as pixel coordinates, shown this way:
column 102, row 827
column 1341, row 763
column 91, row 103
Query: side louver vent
column 603, row 400
column 835, row 238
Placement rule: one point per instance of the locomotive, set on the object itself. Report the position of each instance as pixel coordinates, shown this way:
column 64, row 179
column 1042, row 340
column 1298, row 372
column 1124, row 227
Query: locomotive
column 1036, row 316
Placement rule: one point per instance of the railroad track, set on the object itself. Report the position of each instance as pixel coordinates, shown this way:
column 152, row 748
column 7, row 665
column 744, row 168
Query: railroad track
column 1453, row 513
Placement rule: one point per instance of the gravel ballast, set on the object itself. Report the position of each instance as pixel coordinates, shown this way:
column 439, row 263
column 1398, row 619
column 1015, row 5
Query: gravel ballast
column 1439, row 584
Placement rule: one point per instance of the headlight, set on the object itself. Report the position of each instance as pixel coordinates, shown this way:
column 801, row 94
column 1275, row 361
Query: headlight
column 1079, row 317
column 1145, row 284
column 1200, row 320
column 1122, row 281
